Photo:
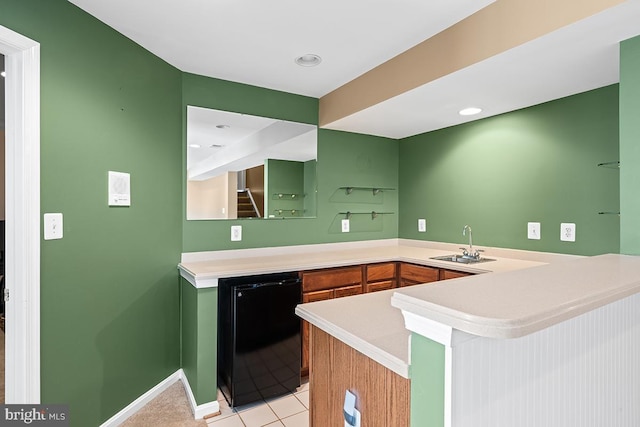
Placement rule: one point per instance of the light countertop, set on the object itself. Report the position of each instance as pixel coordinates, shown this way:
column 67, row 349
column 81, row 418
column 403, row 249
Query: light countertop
column 517, row 303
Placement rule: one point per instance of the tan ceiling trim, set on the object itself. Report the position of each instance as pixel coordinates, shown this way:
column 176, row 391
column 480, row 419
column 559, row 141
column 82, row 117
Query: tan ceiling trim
column 497, row 28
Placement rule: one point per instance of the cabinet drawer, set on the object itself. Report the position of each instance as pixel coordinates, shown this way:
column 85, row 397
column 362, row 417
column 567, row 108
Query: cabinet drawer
column 317, row 296
column 380, row 286
column 452, row 274
column 331, row 278
column 346, row 291
column 378, row 272
column 419, row 273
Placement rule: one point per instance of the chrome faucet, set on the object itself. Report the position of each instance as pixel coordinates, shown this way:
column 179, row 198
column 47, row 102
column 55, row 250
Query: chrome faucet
column 470, row 252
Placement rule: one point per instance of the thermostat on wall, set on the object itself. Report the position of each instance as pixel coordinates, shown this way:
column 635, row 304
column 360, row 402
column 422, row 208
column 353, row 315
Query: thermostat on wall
column 119, row 189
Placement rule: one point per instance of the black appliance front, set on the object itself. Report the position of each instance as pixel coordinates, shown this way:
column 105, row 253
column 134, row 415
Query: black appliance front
column 259, row 343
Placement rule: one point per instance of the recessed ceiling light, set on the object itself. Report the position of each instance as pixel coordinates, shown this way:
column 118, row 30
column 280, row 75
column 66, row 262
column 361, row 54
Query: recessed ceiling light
column 308, row 60
column 470, row 111
column 3, row 74
column 216, row 146
column 194, row 145
column 223, row 126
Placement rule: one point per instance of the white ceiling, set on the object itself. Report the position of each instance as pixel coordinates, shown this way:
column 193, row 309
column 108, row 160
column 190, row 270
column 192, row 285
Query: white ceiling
column 255, row 42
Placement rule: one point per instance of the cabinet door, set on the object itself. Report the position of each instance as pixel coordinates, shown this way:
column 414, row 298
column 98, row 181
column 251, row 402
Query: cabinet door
column 380, row 286
column 452, row 274
column 346, row 291
column 331, row 278
column 380, row 272
column 412, row 274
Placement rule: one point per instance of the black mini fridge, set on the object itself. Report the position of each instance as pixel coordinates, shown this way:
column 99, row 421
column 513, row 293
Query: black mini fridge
column 259, row 341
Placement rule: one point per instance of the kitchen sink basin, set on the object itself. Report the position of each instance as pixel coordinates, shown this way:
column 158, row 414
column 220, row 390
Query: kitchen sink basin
column 462, row 259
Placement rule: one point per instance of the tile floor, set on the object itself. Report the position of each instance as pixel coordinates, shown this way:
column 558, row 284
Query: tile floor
column 291, row 410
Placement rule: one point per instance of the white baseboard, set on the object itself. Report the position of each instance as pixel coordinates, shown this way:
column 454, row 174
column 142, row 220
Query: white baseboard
column 199, row 411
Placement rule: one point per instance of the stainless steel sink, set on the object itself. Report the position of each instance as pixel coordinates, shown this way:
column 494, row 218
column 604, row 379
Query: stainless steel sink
column 462, row 259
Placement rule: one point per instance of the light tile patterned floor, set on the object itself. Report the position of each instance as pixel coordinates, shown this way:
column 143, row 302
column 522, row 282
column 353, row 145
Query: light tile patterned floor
column 290, row 410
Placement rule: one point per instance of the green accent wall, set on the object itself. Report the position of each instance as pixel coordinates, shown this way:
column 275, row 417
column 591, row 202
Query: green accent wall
column 287, row 178
column 344, row 159
column 109, row 288
column 629, row 146
column 199, row 323
column 538, row 164
column 427, row 382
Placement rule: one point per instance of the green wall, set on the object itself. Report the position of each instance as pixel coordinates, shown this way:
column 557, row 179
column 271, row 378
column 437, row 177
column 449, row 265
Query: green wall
column 287, row 178
column 109, row 288
column 427, row 382
column 537, row 164
column 344, row 159
column 199, row 354
column 629, row 147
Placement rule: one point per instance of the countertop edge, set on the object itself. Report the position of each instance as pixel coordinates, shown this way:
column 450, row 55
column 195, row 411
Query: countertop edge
column 370, row 350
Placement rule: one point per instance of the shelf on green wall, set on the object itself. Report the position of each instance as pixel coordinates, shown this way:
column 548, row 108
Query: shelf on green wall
column 374, row 190
column 373, row 214
column 610, row 165
column 287, row 196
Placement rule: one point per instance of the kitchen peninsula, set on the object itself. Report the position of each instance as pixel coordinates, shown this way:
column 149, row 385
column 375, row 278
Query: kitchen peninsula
column 554, row 345
column 376, row 327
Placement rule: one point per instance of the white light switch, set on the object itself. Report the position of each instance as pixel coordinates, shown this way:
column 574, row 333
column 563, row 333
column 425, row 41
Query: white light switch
column 533, row 230
column 422, row 225
column 345, row 225
column 52, row 226
column 236, row 233
column 568, row 232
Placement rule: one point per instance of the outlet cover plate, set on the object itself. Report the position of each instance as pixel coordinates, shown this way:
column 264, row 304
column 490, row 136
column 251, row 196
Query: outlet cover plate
column 568, row 232
column 422, row 225
column 345, row 225
column 236, row 233
column 533, row 230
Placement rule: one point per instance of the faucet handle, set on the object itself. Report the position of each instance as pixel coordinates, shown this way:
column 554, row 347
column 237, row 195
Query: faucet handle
column 464, row 251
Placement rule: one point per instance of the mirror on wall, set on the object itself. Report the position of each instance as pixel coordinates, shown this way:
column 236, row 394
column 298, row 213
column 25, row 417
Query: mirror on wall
column 243, row 166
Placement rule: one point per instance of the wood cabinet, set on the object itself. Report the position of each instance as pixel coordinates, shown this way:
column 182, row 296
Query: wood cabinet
column 412, row 274
column 320, row 285
column 383, row 396
column 329, row 283
column 452, row 274
column 379, row 277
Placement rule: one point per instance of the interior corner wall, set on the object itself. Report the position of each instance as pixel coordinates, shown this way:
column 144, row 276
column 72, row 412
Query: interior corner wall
column 630, row 146
column 109, row 289
column 537, row 164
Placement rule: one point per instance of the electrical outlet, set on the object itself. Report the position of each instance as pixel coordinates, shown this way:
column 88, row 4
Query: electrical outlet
column 568, row 232
column 422, row 225
column 533, row 230
column 236, row 233
column 345, row 225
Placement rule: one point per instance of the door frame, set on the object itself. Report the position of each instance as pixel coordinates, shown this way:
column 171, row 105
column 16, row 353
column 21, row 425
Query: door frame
column 22, row 200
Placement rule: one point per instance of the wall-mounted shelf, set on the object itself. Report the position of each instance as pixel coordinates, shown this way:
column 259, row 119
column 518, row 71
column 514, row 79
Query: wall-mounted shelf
column 373, row 214
column 610, row 165
column 374, row 190
column 609, row 213
column 288, row 212
column 288, row 196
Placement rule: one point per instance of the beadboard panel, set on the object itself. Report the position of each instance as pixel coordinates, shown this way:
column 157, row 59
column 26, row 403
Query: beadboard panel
column 584, row 372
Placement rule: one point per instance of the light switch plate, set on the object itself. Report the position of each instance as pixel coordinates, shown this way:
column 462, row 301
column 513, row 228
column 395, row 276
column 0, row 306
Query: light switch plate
column 236, row 233
column 345, row 225
column 52, row 226
column 533, row 230
column 422, row 225
column 568, row 232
